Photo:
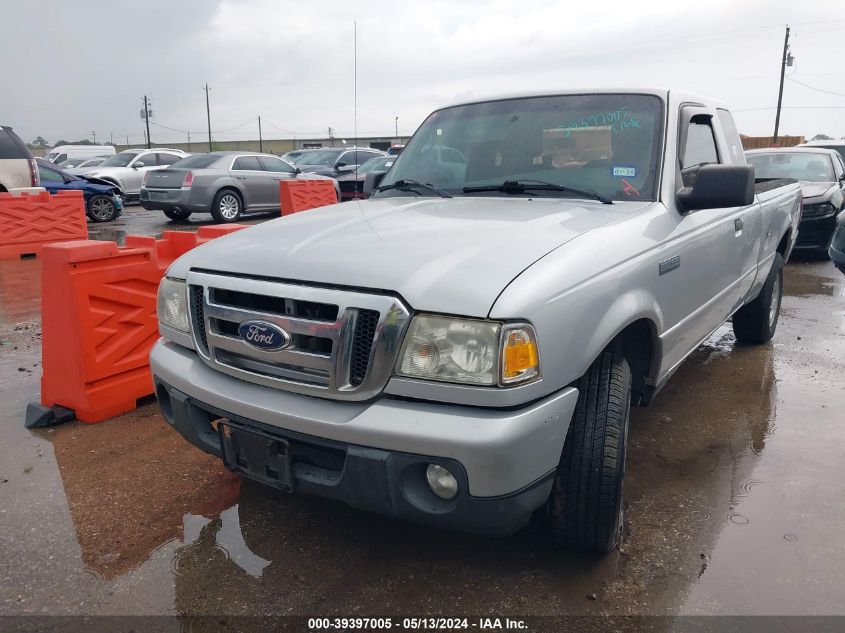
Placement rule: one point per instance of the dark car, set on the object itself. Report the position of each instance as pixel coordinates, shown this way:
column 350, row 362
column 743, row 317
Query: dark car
column 352, row 184
column 336, row 161
column 821, row 173
column 102, row 198
column 837, row 244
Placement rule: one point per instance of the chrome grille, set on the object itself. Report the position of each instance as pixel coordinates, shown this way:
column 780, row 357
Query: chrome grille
column 342, row 343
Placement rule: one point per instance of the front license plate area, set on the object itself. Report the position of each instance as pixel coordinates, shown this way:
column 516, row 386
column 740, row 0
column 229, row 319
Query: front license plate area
column 258, row 456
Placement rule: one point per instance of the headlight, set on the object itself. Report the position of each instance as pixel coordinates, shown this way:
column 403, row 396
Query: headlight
column 453, row 350
column 172, row 305
column 469, row 351
column 818, row 210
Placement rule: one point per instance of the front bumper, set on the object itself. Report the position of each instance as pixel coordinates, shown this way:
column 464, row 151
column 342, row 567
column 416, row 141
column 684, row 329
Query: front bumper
column 504, row 460
column 815, row 233
column 837, row 244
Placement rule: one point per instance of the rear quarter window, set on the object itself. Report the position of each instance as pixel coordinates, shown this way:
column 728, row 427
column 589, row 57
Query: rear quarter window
column 10, row 146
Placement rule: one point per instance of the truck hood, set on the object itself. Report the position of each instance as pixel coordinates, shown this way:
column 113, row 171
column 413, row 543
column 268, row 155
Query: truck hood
column 451, row 255
column 815, row 189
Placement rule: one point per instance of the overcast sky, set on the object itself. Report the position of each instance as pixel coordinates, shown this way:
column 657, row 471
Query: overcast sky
column 76, row 67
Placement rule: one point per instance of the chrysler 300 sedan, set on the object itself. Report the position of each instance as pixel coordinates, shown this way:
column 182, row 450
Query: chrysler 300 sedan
column 224, row 184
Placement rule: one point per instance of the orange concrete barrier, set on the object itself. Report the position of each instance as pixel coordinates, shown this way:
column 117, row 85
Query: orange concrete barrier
column 301, row 195
column 99, row 321
column 29, row 221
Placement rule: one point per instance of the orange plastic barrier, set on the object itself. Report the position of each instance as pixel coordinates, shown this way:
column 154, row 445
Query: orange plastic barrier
column 301, row 195
column 99, row 319
column 29, row 221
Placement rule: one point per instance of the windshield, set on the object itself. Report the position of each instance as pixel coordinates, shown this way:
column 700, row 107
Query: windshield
column 320, row 157
column 197, row 161
column 382, row 163
column 800, row 166
column 607, row 143
column 119, row 160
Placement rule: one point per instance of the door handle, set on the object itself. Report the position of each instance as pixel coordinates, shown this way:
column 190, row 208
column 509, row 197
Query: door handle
column 738, row 224
column 240, row 177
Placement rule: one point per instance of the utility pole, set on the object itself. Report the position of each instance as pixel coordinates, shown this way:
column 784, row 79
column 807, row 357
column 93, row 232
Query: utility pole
column 331, row 136
column 189, row 142
column 94, row 134
column 111, row 139
column 396, row 122
column 782, row 75
column 147, row 119
column 260, row 140
column 208, row 117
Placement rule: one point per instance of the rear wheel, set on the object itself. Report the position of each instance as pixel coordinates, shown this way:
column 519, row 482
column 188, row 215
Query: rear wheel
column 101, row 208
column 585, row 507
column 755, row 322
column 177, row 215
column 227, row 206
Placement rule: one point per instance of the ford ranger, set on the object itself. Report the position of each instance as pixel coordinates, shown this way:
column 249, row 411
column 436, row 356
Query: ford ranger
column 462, row 348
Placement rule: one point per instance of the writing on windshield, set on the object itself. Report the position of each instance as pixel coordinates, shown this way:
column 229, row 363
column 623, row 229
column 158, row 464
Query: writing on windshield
column 603, row 143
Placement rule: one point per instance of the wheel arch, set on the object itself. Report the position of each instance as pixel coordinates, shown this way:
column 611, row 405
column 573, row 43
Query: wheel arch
column 639, row 343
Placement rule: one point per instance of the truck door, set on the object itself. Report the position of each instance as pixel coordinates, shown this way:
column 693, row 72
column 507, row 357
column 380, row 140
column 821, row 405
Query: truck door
column 708, row 246
column 750, row 230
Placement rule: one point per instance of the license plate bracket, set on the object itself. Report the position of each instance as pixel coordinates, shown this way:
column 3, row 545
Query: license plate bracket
column 158, row 196
column 257, row 455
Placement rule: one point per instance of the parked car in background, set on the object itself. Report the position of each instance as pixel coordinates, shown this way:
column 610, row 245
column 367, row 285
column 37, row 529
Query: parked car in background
column 335, row 161
column 84, row 164
column 291, row 157
column 838, row 146
column 837, row 244
column 61, row 153
column 821, row 173
column 71, row 163
column 17, row 165
column 102, row 199
column 395, row 150
column 352, row 184
column 224, row 184
column 127, row 169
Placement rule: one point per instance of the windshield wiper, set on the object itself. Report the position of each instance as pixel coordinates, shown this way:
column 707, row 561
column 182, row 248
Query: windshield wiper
column 409, row 185
column 521, row 186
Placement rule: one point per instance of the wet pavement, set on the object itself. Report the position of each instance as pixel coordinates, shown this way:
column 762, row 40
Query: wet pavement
column 734, row 500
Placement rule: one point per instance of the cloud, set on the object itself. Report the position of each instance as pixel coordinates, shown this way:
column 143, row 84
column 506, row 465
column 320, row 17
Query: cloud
column 90, row 62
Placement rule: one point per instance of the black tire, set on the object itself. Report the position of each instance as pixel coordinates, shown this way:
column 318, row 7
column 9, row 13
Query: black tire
column 585, row 507
column 227, row 206
column 177, row 215
column 755, row 322
column 101, row 208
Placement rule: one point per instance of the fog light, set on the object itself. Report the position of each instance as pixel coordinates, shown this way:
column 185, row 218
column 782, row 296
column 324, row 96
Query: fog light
column 441, row 482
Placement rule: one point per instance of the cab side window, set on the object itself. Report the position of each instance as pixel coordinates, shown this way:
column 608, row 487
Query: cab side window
column 735, row 153
column 247, row 163
column 149, row 160
column 48, row 175
column 700, row 148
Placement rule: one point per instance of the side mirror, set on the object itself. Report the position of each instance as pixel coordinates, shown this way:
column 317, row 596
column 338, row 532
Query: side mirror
column 297, row 170
column 371, row 181
column 138, row 164
column 719, row 186
column 344, row 168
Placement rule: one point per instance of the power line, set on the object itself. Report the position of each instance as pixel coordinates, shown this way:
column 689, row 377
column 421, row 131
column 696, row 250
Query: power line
column 827, row 92
column 791, row 108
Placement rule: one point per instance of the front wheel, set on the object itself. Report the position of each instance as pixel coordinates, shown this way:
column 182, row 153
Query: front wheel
column 177, row 215
column 227, row 207
column 755, row 322
column 101, row 208
column 585, row 507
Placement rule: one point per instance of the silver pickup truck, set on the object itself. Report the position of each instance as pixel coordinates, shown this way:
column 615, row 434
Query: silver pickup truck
column 462, row 349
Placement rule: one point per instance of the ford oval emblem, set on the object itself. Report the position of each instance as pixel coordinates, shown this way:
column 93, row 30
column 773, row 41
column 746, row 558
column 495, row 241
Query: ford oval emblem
column 263, row 335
